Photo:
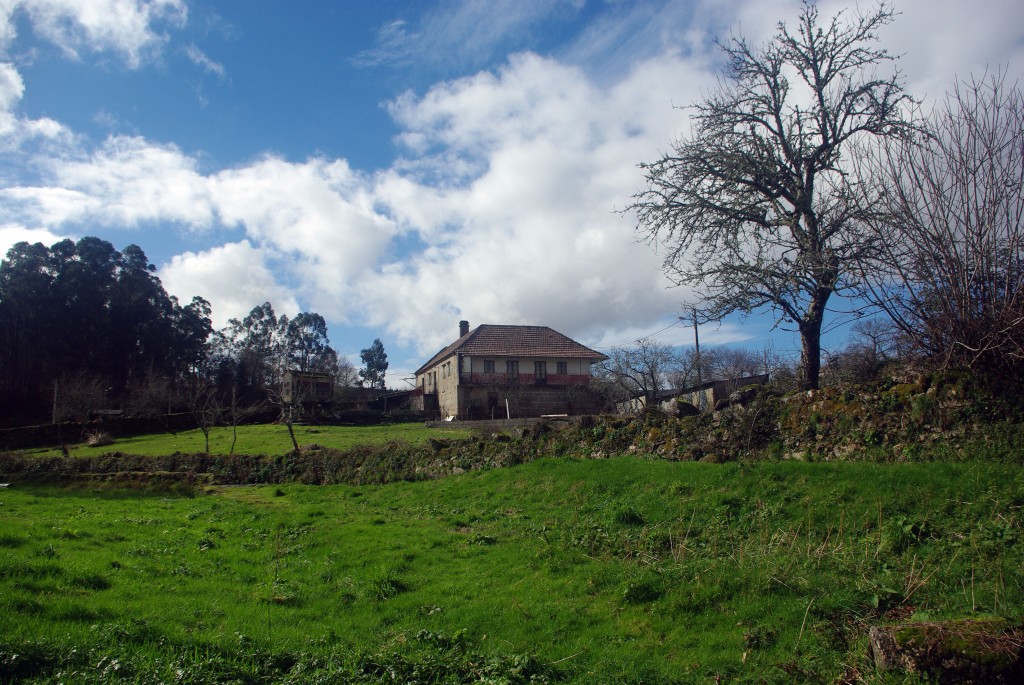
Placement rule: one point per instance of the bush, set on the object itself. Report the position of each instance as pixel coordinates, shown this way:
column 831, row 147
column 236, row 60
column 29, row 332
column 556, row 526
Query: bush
column 99, row 439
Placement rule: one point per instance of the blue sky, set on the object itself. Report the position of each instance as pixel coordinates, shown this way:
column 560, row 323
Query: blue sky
column 395, row 166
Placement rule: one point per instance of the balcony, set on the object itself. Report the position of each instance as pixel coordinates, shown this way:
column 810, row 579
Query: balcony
column 503, row 379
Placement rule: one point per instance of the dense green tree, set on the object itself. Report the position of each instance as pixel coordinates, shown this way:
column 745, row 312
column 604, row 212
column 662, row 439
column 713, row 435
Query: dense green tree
column 306, row 338
column 83, row 309
column 252, row 354
column 376, row 361
column 254, row 349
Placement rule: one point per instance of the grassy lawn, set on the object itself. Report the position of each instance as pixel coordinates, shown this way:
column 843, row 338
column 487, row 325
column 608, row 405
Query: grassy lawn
column 268, row 439
column 621, row 570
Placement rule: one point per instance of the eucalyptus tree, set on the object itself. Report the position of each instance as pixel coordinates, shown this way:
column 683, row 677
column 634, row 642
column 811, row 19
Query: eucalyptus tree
column 83, row 309
column 376, row 364
column 307, row 343
column 262, row 346
column 754, row 209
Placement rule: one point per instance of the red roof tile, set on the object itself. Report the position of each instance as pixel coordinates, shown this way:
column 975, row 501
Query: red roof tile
column 515, row 341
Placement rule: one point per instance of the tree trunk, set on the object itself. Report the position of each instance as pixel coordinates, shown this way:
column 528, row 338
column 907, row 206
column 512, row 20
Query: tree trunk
column 810, row 345
column 810, row 359
column 291, row 431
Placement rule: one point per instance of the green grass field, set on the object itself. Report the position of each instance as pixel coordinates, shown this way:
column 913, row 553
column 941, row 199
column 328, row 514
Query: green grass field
column 268, row 439
column 614, row 571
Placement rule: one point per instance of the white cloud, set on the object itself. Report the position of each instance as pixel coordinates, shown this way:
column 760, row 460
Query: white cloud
column 121, row 26
column 7, row 29
column 201, row 59
column 319, row 213
column 466, row 33
column 14, row 130
column 126, row 182
column 394, row 44
column 12, row 88
column 676, row 333
column 938, row 40
column 234, row 277
column 13, row 233
column 533, row 236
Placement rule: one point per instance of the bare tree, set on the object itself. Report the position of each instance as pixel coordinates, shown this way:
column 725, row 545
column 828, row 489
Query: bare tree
column 238, row 413
column 755, row 207
column 873, row 345
column 293, row 400
column 341, row 369
column 642, row 368
column 949, row 221
column 206, row 407
column 152, row 396
column 717, row 364
column 76, row 394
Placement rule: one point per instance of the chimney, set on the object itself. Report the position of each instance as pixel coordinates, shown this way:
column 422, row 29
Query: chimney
column 463, row 328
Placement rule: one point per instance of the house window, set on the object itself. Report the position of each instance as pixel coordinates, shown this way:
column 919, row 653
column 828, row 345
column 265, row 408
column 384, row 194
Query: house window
column 540, row 370
column 512, row 369
column 488, row 366
column 563, row 368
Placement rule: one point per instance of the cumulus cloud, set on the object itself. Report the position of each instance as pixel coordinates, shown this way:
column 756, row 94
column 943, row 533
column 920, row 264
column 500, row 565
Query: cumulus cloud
column 10, row 234
column 126, row 27
column 15, row 130
column 532, row 236
column 234, row 277
column 12, row 88
column 127, row 181
column 319, row 213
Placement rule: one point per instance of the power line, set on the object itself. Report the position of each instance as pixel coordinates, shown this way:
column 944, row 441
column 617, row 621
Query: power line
column 675, row 323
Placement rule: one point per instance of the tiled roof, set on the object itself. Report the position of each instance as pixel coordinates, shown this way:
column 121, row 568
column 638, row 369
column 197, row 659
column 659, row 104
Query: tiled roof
column 515, row 341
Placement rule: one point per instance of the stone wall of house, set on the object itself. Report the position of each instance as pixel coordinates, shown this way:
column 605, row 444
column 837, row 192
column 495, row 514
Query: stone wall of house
column 526, row 400
column 440, row 385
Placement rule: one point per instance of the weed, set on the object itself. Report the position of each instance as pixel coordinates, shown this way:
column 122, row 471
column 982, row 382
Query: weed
column 760, row 637
column 10, row 541
column 901, row 533
column 89, row 581
column 629, row 516
column 481, row 539
column 643, row 590
column 385, row 584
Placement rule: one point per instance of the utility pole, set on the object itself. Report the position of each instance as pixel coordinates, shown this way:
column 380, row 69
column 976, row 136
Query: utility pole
column 696, row 347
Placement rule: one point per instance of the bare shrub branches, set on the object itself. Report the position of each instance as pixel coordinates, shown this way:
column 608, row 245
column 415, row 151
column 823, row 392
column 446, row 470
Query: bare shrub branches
column 947, row 220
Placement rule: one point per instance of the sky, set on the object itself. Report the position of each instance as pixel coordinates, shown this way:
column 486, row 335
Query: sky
column 399, row 166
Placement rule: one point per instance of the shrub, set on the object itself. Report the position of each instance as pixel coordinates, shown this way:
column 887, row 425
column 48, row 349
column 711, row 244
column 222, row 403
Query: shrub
column 99, row 439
